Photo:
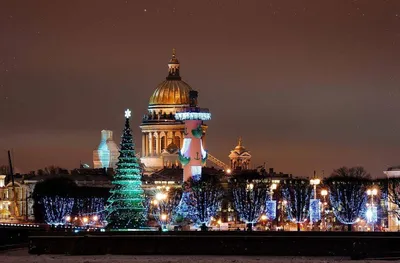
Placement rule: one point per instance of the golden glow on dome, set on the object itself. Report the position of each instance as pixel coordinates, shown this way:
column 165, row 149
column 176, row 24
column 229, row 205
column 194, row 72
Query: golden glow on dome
column 171, row 92
column 239, row 148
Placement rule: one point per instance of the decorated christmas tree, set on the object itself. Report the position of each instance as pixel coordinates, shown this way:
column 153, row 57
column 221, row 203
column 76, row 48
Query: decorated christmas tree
column 126, row 208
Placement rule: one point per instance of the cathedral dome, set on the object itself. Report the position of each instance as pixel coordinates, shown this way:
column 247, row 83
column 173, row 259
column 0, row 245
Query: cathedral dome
column 173, row 90
column 240, row 148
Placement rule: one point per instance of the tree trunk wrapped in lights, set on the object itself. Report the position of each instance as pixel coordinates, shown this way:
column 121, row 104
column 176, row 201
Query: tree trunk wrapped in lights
column 249, row 197
column 297, row 193
column 347, row 193
column 126, row 209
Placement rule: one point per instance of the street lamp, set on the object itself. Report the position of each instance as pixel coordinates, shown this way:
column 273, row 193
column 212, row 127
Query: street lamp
column 315, row 182
column 68, row 219
column 371, row 192
column 161, row 196
column 163, row 217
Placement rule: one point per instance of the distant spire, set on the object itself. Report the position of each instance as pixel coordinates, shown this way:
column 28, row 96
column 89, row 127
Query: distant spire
column 240, row 141
column 173, row 67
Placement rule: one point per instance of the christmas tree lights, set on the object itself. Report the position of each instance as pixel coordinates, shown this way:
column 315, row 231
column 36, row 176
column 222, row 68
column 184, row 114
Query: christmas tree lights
column 126, row 205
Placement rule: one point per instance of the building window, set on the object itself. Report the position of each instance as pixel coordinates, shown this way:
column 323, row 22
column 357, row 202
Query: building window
column 162, row 143
column 177, row 141
column 154, row 144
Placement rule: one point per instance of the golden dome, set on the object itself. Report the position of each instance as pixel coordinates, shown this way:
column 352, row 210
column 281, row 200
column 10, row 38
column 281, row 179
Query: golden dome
column 173, row 90
column 239, row 148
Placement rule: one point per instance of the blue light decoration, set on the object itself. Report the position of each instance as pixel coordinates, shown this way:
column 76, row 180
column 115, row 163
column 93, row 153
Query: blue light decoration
column 201, row 199
column 297, row 193
column 315, row 211
column 371, row 214
column 348, row 203
column 90, row 206
column 56, row 208
column 270, row 209
column 249, row 199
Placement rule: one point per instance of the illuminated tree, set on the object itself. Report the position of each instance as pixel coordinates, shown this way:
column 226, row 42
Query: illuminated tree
column 164, row 204
column 297, row 194
column 54, row 199
column 249, row 197
column 202, row 198
column 126, row 209
column 347, row 192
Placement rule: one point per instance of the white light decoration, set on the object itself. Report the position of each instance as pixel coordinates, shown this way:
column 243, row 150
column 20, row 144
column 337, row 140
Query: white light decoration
column 196, row 170
column 127, row 113
column 203, row 152
column 315, row 213
column 372, row 214
column 185, row 146
column 271, row 209
column 204, row 116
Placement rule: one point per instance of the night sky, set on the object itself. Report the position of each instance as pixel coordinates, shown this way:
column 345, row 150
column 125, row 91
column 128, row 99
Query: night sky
column 309, row 85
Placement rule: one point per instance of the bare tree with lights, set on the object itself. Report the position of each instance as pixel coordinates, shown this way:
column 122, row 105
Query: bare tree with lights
column 249, row 196
column 164, row 203
column 347, row 192
column 297, row 194
column 202, row 198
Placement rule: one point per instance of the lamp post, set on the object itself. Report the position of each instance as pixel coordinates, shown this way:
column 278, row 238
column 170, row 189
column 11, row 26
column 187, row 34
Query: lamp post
column 371, row 192
column 324, row 193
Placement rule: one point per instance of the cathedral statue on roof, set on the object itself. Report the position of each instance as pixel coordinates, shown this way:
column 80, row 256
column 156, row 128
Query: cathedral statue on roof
column 162, row 134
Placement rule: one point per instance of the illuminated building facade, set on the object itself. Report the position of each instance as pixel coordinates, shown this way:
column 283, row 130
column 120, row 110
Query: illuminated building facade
column 393, row 221
column 106, row 155
column 240, row 157
column 19, row 208
column 162, row 133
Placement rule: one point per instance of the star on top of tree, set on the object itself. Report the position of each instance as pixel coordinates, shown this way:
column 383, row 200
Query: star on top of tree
column 127, row 113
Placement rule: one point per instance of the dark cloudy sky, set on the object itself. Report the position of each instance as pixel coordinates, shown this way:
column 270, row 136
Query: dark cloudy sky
column 308, row 84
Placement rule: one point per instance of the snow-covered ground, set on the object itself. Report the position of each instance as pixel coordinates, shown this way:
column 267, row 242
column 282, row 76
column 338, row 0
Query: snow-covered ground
column 22, row 256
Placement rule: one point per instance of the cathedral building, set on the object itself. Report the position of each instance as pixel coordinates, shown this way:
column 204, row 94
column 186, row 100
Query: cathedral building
column 162, row 133
column 240, row 157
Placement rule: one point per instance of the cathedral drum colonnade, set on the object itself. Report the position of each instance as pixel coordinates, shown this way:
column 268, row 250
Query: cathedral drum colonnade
column 162, row 133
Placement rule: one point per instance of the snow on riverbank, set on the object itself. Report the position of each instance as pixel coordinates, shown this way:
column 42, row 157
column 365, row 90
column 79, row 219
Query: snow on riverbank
column 22, row 256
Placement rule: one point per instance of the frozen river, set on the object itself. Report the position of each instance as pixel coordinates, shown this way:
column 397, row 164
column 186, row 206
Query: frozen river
column 22, row 256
